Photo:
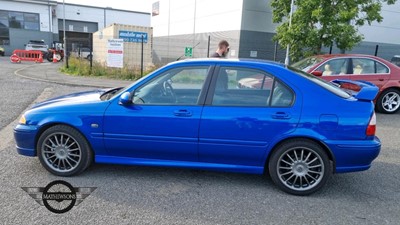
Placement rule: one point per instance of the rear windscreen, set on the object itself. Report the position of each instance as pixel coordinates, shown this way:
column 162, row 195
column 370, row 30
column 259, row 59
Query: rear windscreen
column 323, row 83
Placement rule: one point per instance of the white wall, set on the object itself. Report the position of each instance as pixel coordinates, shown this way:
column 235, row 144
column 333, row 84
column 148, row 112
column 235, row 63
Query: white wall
column 41, row 9
column 179, row 17
column 388, row 31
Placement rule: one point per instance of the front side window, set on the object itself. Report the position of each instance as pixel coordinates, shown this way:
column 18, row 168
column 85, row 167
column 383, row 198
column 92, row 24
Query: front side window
column 244, row 87
column 334, row 67
column 175, row 87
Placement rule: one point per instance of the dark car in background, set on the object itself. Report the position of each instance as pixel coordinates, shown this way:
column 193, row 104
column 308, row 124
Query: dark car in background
column 395, row 60
column 2, row 51
column 378, row 71
column 83, row 52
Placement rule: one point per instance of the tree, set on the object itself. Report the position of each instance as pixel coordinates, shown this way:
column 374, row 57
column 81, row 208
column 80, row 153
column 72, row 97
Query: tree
column 322, row 23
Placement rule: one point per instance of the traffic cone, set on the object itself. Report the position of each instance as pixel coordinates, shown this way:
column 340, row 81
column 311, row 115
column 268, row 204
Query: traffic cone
column 54, row 58
column 40, row 60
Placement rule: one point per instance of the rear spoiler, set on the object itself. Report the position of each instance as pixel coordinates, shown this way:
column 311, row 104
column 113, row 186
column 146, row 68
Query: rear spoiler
column 366, row 90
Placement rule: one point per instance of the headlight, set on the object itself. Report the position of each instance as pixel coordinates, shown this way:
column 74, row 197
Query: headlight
column 22, row 120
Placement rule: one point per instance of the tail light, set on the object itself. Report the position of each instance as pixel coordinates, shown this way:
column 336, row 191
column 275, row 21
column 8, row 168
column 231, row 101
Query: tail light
column 371, row 126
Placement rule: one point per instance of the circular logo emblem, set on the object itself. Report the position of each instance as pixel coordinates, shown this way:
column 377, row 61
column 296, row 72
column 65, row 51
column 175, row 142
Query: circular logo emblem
column 59, row 196
column 14, row 58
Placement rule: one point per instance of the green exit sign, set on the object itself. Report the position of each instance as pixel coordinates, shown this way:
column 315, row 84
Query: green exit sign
column 188, row 51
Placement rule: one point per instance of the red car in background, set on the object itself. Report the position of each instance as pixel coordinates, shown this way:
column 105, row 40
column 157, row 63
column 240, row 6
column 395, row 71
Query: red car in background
column 369, row 68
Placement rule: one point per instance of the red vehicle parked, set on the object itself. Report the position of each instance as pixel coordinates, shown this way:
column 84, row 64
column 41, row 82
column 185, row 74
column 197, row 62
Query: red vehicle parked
column 373, row 69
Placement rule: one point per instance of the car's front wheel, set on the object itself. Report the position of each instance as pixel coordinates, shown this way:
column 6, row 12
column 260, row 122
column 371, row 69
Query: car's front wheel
column 389, row 101
column 299, row 167
column 64, row 151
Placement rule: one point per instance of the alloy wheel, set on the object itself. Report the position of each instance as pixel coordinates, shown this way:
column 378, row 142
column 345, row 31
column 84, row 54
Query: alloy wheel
column 300, row 169
column 61, row 152
column 391, row 101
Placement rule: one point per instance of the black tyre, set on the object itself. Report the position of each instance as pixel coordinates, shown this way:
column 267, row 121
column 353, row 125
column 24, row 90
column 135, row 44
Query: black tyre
column 64, row 151
column 388, row 101
column 49, row 57
column 299, row 167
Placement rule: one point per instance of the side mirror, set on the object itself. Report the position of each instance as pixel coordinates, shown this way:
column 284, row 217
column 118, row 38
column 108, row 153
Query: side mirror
column 125, row 99
column 317, row 73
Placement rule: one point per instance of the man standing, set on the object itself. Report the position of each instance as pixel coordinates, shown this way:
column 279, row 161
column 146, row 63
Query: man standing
column 222, row 51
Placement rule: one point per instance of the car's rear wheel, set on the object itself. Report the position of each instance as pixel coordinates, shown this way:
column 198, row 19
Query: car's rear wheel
column 389, row 101
column 64, row 151
column 299, row 167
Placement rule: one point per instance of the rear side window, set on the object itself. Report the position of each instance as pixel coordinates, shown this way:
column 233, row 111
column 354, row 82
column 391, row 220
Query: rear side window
column 325, row 84
column 368, row 66
column 249, row 87
column 282, row 96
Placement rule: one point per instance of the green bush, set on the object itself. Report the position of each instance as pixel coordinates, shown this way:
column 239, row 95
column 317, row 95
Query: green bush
column 81, row 67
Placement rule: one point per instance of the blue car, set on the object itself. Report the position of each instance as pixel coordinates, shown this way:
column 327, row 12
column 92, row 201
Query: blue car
column 225, row 115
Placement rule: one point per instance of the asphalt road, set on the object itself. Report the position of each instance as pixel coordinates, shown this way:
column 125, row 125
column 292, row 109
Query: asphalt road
column 144, row 195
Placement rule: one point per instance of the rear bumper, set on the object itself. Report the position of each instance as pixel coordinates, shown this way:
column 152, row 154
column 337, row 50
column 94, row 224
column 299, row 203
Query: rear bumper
column 351, row 156
column 25, row 138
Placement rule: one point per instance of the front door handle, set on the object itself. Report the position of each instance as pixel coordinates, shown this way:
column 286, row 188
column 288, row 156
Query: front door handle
column 183, row 113
column 281, row 116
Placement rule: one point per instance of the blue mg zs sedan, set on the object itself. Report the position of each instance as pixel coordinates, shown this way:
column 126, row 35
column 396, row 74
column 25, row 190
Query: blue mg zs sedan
column 224, row 115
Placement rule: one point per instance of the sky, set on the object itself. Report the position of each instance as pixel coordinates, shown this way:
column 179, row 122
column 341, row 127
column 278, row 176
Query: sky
column 131, row 5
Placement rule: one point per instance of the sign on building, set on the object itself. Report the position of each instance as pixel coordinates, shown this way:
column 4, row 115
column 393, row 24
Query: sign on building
column 115, row 53
column 188, row 51
column 132, row 36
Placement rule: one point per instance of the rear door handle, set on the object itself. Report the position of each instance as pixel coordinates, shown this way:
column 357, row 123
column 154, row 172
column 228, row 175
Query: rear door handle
column 281, row 116
column 183, row 113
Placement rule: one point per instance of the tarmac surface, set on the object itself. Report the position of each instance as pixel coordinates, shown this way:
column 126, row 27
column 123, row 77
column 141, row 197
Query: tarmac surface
column 151, row 195
column 49, row 72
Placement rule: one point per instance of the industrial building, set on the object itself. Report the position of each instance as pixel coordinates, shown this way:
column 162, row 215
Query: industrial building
column 25, row 20
column 248, row 27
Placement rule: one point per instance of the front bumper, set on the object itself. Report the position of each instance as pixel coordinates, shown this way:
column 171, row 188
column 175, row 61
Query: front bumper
column 25, row 139
column 351, row 156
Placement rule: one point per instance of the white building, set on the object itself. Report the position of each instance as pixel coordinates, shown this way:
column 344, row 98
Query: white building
column 24, row 20
column 248, row 27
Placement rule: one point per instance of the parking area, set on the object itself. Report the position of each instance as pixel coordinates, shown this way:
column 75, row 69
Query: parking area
column 143, row 195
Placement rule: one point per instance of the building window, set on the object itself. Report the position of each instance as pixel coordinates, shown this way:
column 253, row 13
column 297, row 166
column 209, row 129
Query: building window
column 19, row 20
column 16, row 20
column 3, row 19
column 31, row 21
column 71, row 27
column 85, row 29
